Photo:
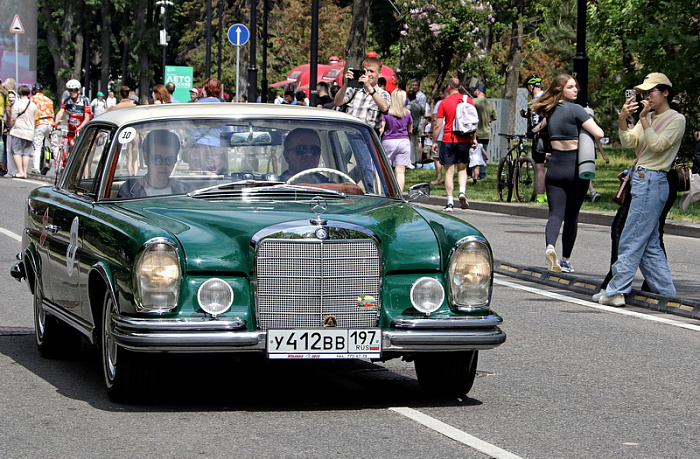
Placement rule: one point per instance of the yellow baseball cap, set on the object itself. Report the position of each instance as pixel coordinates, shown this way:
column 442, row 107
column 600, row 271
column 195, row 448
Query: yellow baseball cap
column 651, row 81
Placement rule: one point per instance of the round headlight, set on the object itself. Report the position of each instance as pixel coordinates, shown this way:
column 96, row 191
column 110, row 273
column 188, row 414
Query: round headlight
column 215, row 296
column 427, row 295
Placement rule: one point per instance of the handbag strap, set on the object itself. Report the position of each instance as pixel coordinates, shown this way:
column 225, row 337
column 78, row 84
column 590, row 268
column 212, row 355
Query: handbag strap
column 25, row 108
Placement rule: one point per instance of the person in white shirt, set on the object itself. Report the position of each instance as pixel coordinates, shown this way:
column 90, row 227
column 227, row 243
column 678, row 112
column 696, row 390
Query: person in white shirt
column 111, row 100
column 22, row 133
column 99, row 104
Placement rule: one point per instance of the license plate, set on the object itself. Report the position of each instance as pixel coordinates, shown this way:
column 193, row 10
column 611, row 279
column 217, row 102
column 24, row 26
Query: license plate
column 324, row 344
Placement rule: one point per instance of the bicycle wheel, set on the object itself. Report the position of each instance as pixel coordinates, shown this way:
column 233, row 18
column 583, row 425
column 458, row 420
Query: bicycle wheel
column 526, row 180
column 504, row 175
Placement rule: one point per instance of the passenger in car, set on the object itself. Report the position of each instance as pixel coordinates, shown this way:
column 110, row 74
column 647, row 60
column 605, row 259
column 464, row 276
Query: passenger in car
column 160, row 149
column 302, row 151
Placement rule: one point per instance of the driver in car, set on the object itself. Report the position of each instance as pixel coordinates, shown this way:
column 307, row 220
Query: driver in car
column 302, row 151
column 160, row 148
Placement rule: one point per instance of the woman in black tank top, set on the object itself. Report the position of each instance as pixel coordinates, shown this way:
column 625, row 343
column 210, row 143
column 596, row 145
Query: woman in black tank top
column 565, row 190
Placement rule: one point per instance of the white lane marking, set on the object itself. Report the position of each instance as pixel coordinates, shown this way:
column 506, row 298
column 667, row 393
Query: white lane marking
column 455, row 434
column 9, row 233
column 591, row 304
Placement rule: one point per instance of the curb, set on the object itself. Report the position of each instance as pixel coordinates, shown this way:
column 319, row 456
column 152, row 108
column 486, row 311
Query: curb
column 647, row 300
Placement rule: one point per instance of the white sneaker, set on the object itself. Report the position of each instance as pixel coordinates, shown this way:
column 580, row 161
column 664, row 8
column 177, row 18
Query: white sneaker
column 598, row 296
column 463, row 201
column 616, row 300
column 449, row 208
column 552, row 263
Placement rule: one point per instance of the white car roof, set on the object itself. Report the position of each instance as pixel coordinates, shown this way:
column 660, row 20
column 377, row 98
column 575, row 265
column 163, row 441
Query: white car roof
column 220, row 110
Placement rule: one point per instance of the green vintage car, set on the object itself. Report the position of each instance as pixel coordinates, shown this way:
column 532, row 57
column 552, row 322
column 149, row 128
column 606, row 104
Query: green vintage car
column 271, row 230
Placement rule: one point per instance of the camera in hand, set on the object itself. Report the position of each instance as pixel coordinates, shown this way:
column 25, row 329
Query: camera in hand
column 355, row 82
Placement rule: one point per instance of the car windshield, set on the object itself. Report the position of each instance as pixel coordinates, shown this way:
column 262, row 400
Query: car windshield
column 168, row 157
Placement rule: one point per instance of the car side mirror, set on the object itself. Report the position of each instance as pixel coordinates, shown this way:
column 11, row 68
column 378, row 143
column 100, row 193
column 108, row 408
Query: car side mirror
column 418, row 190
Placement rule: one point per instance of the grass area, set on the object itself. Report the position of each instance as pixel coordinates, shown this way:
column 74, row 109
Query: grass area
column 605, row 183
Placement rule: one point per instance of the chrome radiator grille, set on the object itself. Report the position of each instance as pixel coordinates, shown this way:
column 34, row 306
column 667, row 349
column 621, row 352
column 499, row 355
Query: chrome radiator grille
column 299, row 283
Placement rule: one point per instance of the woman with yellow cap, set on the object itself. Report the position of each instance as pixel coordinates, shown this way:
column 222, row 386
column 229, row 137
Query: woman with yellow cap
column 656, row 138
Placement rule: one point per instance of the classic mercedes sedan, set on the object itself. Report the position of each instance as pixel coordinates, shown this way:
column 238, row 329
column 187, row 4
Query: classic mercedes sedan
column 263, row 229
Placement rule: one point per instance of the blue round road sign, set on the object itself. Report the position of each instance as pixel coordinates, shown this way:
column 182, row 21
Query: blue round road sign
column 238, row 34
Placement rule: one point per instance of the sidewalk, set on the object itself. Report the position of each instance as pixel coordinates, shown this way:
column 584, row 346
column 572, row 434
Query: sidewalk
column 573, row 282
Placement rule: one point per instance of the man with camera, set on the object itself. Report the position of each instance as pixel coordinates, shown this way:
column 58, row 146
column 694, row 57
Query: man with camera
column 364, row 98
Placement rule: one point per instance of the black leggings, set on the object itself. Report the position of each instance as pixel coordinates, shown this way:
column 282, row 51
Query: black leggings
column 565, row 195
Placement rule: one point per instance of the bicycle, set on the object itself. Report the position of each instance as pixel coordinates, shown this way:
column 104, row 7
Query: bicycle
column 61, row 156
column 517, row 170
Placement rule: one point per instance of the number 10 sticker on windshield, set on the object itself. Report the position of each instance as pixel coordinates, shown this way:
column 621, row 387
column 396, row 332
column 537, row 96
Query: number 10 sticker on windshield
column 127, row 135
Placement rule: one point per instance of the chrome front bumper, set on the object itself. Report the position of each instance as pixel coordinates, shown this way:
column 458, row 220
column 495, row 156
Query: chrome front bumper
column 407, row 335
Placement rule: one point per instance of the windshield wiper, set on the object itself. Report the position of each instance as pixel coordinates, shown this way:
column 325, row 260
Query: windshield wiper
column 262, row 189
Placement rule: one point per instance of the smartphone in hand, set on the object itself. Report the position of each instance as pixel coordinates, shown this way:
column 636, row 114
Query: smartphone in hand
column 355, row 82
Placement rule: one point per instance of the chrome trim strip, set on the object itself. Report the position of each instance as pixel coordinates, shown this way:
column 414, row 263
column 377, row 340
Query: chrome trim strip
column 192, row 324
column 229, row 341
column 441, row 340
column 449, row 322
column 73, row 321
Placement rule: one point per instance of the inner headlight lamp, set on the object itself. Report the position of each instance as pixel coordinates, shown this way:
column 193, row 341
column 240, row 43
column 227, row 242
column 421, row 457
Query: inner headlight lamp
column 215, row 296
column 427, row 295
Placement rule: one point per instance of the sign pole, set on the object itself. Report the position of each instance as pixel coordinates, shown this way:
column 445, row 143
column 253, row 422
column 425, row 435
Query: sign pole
column 238, row 34
column 238, row 66
column 16, row 28
column 17, row 59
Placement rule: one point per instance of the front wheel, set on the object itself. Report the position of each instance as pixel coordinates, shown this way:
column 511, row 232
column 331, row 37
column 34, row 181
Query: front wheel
column 504, row 176
column 449, row 374
column 526, row 180
column 126, row 374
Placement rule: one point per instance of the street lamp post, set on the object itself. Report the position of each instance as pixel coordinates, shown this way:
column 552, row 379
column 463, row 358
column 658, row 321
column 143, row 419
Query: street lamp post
column 252, row 71
column 581, row 59
column 164, row 33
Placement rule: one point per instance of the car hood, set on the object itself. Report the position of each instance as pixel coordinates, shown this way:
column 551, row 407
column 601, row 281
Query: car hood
column 216, row 235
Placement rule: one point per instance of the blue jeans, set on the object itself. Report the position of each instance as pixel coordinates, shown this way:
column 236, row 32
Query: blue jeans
column 639, row 242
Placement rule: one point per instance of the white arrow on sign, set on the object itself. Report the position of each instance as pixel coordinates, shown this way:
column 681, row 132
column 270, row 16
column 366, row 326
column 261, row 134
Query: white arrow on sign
column 16, row 26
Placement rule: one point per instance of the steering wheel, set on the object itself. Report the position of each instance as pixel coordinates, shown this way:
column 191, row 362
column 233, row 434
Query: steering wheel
column 321, row 169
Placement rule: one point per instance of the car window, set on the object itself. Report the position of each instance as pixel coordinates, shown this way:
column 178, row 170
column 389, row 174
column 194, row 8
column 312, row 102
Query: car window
column 91, row 151
column 174, row 156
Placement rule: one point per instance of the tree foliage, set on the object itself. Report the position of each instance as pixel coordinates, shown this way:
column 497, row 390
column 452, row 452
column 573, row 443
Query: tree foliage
column 631, row 38
column 441, row 37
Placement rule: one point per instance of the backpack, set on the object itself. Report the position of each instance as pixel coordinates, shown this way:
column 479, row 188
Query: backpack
column 466, row 118
column 417, row 112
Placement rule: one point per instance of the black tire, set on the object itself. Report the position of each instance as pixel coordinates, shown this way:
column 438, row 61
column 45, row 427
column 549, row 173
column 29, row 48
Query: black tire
column 449, row 374
column 127, row 375
column 504, row 177
column 526, row 180
column 53, row 338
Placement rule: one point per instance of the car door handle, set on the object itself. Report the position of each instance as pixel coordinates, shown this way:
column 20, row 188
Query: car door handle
column 52, row 229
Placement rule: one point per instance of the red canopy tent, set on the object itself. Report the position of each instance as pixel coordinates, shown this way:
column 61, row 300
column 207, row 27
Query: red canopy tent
column 298, row 78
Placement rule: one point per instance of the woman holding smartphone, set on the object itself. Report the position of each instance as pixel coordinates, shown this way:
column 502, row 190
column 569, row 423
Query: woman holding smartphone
column 565, row 189
column 656, row 137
